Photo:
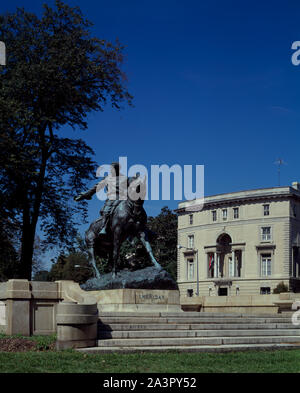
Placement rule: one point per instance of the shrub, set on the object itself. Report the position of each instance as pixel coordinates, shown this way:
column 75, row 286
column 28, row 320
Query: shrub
column 281, row 287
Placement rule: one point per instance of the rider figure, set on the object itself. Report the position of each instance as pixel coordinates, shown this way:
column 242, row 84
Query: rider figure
column 115, row 185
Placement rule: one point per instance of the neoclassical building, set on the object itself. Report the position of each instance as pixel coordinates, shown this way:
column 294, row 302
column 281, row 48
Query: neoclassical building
column 240, row 243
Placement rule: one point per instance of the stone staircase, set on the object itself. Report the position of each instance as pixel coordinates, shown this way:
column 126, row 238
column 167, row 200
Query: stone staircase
column 193, row 332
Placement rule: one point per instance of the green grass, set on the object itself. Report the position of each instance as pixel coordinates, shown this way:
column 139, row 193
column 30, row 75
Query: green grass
column 69, row 361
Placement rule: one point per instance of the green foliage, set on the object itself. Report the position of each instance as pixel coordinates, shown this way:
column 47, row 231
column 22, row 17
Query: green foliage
column 73, row 266
column 9, row 261
column 44, row 343
column 281, row 287
column 56, row 73
column 42, row 275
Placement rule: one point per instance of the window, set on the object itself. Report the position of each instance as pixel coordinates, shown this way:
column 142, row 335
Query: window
column 191, row 241
column 190, row 269
column 235, row 213
column 296, row 265
column 266, row 210
column 223, row 291
column 214, row 215
column 190, row 293
column 191, row 219
column 265, row 290
column 211, row 263
column 231, row 268
column 224, row 214
column 266, row 261
column 266, row 234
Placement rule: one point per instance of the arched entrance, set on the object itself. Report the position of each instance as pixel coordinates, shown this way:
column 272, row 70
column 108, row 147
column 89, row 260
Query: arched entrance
column 224, row 262
column 224, row 251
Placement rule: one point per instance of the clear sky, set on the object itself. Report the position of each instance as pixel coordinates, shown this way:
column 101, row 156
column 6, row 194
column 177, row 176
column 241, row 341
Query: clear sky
column 213, row 84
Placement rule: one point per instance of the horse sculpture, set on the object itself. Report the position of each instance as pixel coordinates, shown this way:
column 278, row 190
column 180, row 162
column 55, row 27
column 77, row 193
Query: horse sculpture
column 127, row 221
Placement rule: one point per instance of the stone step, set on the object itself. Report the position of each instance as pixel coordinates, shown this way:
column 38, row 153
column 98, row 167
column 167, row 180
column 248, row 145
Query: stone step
column 164, row 320
column 191, row 348
column 188, row 341
column 186, row 314
column 196, row 333
column 189, row 314
column 204, row 326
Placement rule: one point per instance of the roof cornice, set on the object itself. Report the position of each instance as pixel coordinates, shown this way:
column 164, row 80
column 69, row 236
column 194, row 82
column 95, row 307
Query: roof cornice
column 246, row 196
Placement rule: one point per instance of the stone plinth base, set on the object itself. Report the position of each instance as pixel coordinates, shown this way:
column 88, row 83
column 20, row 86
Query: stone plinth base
column 143, row 300
column 76, row 325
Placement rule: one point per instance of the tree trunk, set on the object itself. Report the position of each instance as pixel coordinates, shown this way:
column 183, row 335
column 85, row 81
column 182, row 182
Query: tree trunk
column 28, row 233
column 30, row 216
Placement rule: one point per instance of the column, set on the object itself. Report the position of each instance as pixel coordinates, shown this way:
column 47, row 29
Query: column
column 215, row 265
column 234, row 267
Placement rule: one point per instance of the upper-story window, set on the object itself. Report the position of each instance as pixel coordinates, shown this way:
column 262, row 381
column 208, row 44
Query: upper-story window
column 191, row 241
column 266, row 234
column 224, row 214
column 214, row 215
column 266, row 210
column 191, row 219
column 235, row 212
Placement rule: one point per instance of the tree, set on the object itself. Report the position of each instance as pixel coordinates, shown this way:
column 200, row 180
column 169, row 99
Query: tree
column 56, row 73
column 75, row 263
column 73, row 266
column 165, row 244
column 9, row 261
column 42, row 275
column 38, row 264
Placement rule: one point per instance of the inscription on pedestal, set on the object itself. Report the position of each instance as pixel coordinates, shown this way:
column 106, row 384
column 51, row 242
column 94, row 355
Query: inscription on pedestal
column 144, row 297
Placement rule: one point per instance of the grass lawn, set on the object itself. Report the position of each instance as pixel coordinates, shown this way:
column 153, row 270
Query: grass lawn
column 69, row 361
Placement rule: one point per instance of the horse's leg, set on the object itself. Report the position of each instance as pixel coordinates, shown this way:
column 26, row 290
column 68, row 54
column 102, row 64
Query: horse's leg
column 148, row 247
column 90, row 237
column 116, row 249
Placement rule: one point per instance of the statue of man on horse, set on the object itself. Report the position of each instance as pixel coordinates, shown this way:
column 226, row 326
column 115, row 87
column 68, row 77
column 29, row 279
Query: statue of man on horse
column 122, row 217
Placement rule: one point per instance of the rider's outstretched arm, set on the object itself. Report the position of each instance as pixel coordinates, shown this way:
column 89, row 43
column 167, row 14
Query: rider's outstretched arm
column 88, row 194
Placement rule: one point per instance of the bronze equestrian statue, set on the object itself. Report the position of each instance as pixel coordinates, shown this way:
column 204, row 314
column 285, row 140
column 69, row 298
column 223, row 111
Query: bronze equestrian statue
column 122, row 217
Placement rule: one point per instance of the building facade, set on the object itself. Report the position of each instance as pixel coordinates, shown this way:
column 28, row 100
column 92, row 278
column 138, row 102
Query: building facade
column 241, row 243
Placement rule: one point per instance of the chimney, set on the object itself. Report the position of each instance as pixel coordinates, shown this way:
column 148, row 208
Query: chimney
column 296, row 185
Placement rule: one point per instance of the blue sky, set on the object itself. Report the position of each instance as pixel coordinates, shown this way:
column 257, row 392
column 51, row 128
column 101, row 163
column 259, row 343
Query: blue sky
column 213, row 84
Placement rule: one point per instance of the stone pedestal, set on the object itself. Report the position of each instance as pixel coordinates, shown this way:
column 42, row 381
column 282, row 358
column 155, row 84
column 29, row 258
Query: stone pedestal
column 18, row 307
column 76, row 325
column 139, row 300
